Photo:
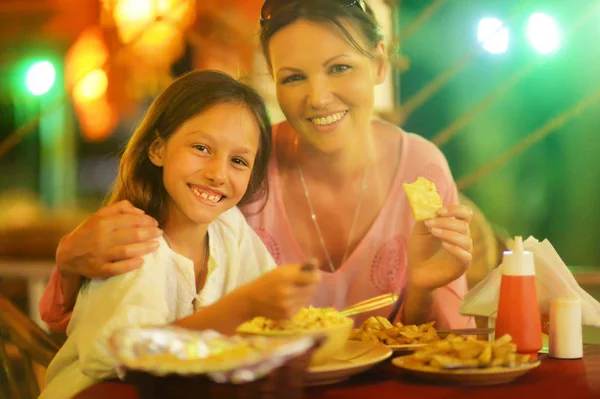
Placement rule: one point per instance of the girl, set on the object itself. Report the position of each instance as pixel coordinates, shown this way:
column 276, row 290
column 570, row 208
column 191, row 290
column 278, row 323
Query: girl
column 201, row 149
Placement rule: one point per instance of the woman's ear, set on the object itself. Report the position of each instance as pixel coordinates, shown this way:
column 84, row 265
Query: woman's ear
column 381, row 61
column 155, row 153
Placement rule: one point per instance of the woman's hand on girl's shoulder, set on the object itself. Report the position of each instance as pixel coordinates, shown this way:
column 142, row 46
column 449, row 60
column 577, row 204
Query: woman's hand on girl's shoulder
column 111, row 241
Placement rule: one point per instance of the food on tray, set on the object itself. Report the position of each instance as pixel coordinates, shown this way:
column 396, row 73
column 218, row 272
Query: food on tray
column 424, row 198
column 174, row 350
column 459, row 352
column 306, row 319
column 379, row 329
column 222, row 351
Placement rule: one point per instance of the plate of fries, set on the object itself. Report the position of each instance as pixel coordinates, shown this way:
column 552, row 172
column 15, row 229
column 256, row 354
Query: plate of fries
column 469, row 361
column 398, row 337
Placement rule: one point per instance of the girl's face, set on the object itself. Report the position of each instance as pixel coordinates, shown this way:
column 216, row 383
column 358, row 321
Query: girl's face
column 207, row 162
column 325, row 86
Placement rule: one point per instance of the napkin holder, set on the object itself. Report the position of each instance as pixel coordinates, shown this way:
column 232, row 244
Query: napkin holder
column 553, row 280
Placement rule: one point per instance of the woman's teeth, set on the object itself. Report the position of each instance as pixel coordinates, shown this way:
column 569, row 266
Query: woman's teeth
column 328, row 120
column 205, row 196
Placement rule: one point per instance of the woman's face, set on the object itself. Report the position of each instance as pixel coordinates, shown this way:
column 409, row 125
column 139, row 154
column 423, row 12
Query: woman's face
column 325, row 86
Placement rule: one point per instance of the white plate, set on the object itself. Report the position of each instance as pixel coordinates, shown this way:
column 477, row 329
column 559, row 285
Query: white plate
column 483, row 376
column 356, row 357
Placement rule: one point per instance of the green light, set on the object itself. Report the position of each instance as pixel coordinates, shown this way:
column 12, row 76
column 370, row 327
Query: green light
column 543, row 33
column 40, row 78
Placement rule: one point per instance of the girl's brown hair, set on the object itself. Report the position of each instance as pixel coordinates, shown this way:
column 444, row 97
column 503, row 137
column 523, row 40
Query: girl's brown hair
column 140, row 181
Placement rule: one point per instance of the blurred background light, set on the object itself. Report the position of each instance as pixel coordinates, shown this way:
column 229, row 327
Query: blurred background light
column 40, row 78
column 543, row 33
column 493, row 36
column 91, row 87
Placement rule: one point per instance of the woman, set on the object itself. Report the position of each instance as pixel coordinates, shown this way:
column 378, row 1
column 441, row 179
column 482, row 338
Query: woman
column 335, row 180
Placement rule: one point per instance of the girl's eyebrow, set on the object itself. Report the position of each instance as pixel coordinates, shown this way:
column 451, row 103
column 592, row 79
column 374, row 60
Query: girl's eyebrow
column 195, row 133
column 244, row 151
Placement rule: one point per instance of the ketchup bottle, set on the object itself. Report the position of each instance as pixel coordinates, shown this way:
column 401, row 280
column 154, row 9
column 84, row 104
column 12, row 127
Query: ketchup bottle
column 518, row 309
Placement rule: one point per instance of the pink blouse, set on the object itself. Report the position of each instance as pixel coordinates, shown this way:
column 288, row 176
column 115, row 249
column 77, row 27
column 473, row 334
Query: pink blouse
column 378, row 265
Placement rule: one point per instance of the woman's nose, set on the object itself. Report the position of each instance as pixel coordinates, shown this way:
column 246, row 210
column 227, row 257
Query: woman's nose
column 320, row 94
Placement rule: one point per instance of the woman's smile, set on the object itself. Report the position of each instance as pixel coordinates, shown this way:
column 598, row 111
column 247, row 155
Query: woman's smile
column 327, row 122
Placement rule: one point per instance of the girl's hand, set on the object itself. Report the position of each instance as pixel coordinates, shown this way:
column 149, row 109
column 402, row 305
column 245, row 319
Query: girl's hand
column 440, row 249
column 282, row 292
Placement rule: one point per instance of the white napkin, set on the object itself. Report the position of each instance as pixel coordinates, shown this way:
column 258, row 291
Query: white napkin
column 553, row 279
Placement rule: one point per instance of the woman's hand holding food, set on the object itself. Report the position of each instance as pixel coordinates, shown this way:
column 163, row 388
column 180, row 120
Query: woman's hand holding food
column 440, row 249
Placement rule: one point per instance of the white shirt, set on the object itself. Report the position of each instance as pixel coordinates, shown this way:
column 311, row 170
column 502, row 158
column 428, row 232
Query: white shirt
column 160, row 292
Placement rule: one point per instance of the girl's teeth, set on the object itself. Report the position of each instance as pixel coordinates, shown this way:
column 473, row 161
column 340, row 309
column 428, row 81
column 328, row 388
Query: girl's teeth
column 203, row 195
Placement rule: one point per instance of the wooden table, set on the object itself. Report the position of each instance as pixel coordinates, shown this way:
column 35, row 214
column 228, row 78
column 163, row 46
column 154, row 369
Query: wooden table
column 552, row 379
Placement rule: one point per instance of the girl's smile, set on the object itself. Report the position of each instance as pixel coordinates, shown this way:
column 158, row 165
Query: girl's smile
column 207, row 195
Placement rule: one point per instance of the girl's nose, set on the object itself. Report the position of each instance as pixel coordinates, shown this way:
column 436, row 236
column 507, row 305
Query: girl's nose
column 216, row 170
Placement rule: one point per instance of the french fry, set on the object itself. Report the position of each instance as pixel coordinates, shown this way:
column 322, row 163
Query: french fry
column 460, row 352
column 385, row 323
column 398, row 334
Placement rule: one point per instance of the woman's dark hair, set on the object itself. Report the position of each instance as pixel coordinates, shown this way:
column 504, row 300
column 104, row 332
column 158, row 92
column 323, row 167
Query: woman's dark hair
column 324, row 12
column 140, row 181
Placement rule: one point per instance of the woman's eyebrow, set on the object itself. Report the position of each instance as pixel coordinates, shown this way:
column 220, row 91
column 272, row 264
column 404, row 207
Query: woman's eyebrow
column 335, row 57
column 328, row 61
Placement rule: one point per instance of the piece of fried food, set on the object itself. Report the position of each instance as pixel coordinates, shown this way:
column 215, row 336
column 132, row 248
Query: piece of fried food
column 379, row 329
column 459, row 352
column 424, row 198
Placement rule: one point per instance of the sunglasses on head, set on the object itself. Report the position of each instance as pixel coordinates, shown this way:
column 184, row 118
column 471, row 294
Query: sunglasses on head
column 270, row 5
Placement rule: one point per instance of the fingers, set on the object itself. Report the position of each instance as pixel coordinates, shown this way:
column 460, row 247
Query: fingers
column 307, row 277
column 119, row 207
column 130, row 251
column 126, row 221
column 111, row 269
column 450, row 237
column 133, row 236
column 457, row 211
column 292, row 288
column 448, row 223
column 453, row 228
column 463, row 256
column 298, row 297
column 297, row 274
